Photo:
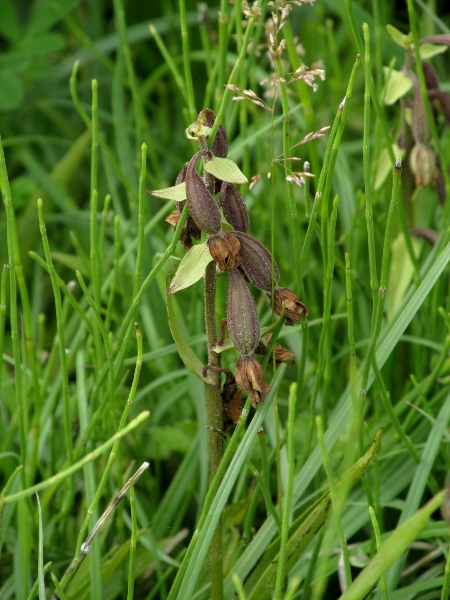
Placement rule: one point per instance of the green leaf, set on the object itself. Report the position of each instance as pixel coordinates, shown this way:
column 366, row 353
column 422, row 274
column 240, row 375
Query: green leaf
column 225, row 170
column 391, row 549
column 176, row 192
column 191, row 268
column 302, row 532
column 401, row 272
column 397, row 86
column 429, row 50
column 404, row 41
column 189, row 358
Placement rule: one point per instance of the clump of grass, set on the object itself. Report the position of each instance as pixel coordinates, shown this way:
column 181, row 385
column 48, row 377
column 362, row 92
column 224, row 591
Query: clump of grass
column 360, row 237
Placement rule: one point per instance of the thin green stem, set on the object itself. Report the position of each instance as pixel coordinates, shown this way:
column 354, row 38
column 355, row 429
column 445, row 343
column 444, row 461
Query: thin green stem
column 95, row 257
column 3, row 285
column 376, row 530
column 287, row 172
column 141, row 222
column 337, row 501
column 61, row 335
column 367, row 167
column 287, row 508
column 187, row 63
column 132, row 561
column 223, row 43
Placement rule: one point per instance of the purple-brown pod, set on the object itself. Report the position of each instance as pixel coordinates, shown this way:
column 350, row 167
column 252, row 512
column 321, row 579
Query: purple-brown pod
column 242, row 316
column 257, row 262
column 233, row 207
column 219, row 146
column 202, row 206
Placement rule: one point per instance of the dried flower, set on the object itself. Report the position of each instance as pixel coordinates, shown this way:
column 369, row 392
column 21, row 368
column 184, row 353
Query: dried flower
column 257, row 262
column 233, row 207
column 250, row 376
column 224, row 248
column 190, row 229
column 282, row 354
column 242, row 316
column 231, row 402
column 294, row 310
column 202, row 205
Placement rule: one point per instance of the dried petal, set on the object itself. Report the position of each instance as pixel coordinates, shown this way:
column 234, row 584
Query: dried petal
column 231, row 402
column 250, row 376
column 242, row 317
column 423, row 164
column 257, row 262
column 220, row 144
column 202, row 205
column 294, row 310
column 190, row 229
column 233, row 207
column 224, row 248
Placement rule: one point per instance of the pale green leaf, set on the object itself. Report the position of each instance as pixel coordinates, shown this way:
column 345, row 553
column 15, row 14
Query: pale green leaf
column 397, row 86
column 177, row 192
column 225, row 170
column 191, row 268
column 399, row 38
column 429, row 50
column 400, row 273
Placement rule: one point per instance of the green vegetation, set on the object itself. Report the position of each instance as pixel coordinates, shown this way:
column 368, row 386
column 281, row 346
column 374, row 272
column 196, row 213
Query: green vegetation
column 112, row 479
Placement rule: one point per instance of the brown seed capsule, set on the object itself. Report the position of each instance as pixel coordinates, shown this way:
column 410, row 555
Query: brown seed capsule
column 294, row 310
column 250, row 376
column 190, row 229
column 219, row 146
column 282, row 354
column 224, row 248
column 233, row 207
column 257, row 262
column 242, row 316
column 202, row 206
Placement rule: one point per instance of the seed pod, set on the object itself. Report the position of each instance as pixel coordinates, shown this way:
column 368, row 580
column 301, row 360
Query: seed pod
column 257, row 262
column 181, row 178
column 294, row 310
column 250, row 376
column 219, row 146
column 242, row 317
column 224, row 248
column 202, row 206
column 234, row 208
column 423, row 164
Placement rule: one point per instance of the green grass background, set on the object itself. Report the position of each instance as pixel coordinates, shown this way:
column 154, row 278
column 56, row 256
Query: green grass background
column 65, row 379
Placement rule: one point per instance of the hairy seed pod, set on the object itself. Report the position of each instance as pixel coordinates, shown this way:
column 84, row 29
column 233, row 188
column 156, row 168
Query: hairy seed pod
column 250, row 376
column 242, row 317
column 233, row 207
column 257, row 262
column 219, row 146
column 202, row 206
column 182, row 174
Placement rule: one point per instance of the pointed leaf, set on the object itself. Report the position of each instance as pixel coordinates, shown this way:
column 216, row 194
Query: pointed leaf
column 176, row 192
column 404, row 41
column 225, row 170
column 191, row 268
column 429, row 50
column 397, row 86
column 187, row 355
